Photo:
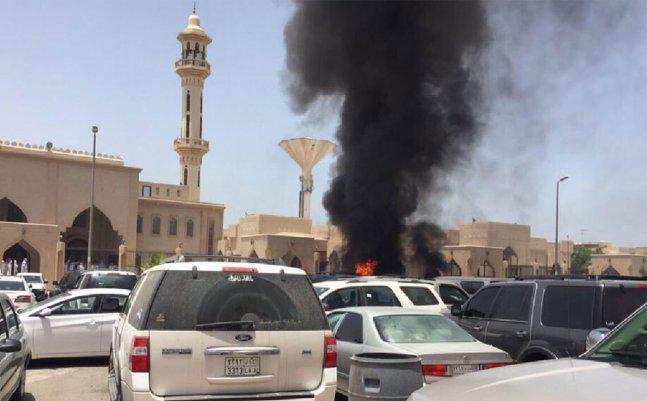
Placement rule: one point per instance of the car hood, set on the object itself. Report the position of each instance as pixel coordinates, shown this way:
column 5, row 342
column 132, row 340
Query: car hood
column 554, row 380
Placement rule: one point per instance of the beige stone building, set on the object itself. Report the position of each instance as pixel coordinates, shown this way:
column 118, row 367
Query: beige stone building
column 492, row 249
column 45, row 193
column 612, row 260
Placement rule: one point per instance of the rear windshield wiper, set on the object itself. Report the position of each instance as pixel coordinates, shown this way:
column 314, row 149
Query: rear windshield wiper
column 243, row 325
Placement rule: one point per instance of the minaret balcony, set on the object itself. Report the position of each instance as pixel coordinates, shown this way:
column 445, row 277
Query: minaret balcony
column 198, row 144
column 192, row 63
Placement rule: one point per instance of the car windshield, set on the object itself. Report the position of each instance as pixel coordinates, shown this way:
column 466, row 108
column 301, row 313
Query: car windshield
column 45, row 302
column 321, row 290
column 416, row 329
column 627, row 345
column 33, row 279
column 6, row 285
column 452, row 295
column 110, row 280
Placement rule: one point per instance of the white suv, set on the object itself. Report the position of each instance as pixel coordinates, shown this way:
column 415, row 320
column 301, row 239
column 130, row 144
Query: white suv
column 210, row 330
column 375, row 291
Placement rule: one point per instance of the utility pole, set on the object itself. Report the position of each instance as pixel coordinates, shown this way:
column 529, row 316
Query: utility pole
column 556, row 265
column 95, row 129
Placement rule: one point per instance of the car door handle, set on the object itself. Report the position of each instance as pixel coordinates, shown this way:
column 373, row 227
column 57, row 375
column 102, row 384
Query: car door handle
column 521, row 333
column 92, row 322
column 478, row 328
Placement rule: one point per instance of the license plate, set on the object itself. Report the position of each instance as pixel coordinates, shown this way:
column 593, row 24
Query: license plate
column 242, row 366
column 458, row 370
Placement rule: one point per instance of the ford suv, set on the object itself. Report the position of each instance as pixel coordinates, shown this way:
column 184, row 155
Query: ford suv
column 213, row 330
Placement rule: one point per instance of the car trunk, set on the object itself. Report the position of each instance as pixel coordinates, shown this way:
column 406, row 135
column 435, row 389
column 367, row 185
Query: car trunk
column 460, row 357
column 218, row 340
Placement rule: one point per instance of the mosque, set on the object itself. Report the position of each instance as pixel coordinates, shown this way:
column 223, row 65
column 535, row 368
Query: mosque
column 45, row 200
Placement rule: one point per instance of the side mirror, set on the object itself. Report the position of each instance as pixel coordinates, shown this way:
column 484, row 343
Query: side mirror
column 31, row 286
column 457, row 310
column 45, row 312
column 54, row 283
column 47, row 282
column 326, row 306
column 10, row 345
column 595, row 336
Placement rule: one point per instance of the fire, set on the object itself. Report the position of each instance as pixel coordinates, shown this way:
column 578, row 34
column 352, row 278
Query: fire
column 366, row 269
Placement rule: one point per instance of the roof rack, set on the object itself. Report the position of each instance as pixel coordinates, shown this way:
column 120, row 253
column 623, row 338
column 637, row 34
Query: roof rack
column 589, row 277
column 220, row 258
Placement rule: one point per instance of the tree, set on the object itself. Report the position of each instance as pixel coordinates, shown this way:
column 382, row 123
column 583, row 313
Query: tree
column 155, row 259
column 581, row 259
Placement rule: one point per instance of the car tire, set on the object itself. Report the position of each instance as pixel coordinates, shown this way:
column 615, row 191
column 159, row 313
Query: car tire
column 114, row 387
column 19, row 394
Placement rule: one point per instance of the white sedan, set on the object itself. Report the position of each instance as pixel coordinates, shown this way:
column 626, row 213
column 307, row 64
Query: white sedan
column 17, row 289
column 77, row 323
column 445, row 349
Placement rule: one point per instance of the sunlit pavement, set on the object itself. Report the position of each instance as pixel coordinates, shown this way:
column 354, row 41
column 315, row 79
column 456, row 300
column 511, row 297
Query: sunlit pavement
column 68, row 380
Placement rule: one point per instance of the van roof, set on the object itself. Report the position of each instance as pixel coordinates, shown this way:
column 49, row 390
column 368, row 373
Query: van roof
column 219, row 266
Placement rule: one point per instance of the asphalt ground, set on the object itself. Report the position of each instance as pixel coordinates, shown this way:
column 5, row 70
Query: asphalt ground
column 67, row 380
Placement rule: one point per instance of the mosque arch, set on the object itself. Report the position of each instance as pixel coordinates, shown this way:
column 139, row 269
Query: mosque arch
column 105, row 239
column 454, row 268
column 22, row 251
column 253, row 254
column 486, row 270
column 610, row 271
column 9, row 211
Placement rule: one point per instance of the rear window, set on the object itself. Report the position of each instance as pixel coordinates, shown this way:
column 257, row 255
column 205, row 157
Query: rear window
column 417, row 329
column 452, row 295
column 420, row 295
column 12, row 285
column 472, row 286
column 33, row 279
column 513, row 303
column 620, row 302
column 109, row 280
column 271, row 301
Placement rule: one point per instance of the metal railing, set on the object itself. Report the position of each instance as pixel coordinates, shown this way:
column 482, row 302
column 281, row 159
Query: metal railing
column 192, row 62
column 220, row 258
column 191, row 141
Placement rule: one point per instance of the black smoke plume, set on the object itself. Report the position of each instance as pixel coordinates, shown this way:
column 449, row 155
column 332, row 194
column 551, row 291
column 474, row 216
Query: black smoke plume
column 404, row 72
column 424, row 241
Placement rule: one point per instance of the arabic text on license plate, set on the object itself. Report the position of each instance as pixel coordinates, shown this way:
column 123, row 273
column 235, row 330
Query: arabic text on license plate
column 463, row 369
column 242, row 366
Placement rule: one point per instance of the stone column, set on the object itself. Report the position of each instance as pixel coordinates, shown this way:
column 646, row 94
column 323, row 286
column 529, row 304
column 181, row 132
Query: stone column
column 59, row 263
column 123, row 256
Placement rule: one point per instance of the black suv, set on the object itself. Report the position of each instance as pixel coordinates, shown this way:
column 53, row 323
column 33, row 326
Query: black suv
column 544, row 319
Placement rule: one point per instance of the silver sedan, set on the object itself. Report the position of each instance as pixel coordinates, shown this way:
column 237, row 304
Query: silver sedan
column 445, row 349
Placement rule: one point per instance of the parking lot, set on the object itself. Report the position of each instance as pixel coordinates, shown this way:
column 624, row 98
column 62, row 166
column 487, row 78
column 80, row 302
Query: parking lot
column 67, row 380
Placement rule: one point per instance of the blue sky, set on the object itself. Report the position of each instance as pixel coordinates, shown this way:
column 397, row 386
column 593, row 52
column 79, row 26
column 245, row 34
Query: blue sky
column 579, row 109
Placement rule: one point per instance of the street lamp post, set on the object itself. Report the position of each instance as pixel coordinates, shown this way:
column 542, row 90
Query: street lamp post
column 556, row 266
column 95, row 129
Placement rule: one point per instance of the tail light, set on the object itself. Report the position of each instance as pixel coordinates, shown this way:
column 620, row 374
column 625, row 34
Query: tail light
column 431, row 371
column 330, row 352
column 139, row 361
column 495, row 365
column 23, row 299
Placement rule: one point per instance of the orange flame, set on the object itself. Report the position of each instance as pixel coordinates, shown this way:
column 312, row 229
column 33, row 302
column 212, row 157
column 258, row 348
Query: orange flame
column 366, row 269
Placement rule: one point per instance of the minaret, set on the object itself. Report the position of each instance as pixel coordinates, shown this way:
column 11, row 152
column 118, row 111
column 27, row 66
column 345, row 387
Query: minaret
column 193, row 68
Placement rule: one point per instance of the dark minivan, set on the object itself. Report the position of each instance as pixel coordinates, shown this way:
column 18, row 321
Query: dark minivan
column 544, row 319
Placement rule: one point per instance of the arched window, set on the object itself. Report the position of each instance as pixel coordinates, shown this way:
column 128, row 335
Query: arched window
column 200, row 104
column 156, row 226
column 196, row 53
column 188, row 101
column 186, row 175
column 172, row 226
column 189, row 228
column 200, row 127
column 186, row 132
column 9, row 211
column 140, row 223
column 188, row 50
column 198, row 178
